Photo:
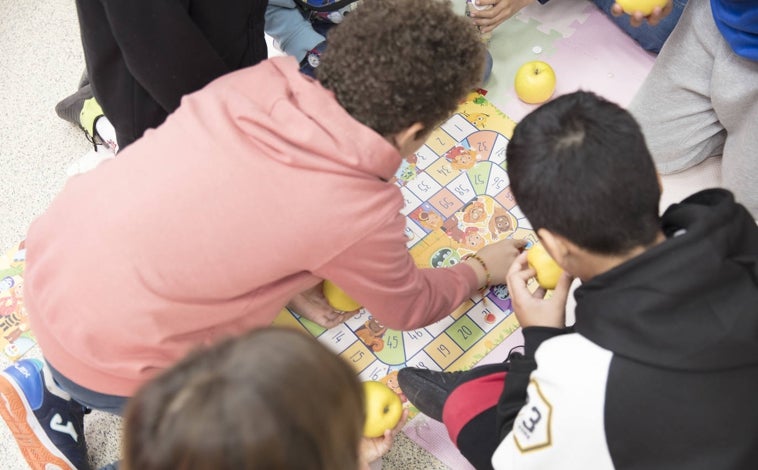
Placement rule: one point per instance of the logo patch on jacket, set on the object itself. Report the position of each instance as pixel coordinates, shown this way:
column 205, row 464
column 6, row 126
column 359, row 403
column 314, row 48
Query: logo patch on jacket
column 532, row 430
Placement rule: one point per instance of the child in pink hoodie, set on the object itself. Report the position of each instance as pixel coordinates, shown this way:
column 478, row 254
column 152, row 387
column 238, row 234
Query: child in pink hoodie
column 260, row 186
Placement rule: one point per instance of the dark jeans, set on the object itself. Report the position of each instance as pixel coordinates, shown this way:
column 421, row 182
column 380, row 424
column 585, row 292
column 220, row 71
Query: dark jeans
column 651, row 38
column 97, row 401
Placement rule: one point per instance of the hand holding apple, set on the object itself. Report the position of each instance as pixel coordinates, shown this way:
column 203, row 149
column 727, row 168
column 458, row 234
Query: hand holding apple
column 498, row 257
column 548, row 271
column 535, row 82
column 338, row 298
column 312, row 304
column 652, row 11
column 383, row 408
column 373, row 448
column 534, row 308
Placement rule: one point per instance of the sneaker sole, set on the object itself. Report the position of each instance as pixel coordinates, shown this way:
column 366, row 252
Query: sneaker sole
column 38, row 450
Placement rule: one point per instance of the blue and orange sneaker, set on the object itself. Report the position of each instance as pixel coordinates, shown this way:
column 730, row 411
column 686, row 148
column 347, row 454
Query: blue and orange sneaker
column 47, row 424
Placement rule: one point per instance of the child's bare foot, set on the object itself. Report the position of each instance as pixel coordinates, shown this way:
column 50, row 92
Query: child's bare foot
column 312, row 305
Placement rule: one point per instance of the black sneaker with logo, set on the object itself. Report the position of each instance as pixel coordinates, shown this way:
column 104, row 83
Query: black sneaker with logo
column 47, row 424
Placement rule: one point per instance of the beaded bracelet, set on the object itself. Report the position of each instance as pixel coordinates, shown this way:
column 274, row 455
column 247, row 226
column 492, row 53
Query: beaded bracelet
column 488, row 277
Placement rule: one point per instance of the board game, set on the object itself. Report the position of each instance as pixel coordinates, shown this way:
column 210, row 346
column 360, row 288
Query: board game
column 15, row 336
column 457, row 200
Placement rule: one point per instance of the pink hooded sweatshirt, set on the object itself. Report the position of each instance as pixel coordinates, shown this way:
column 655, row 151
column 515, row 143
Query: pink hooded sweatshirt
column 259, row 186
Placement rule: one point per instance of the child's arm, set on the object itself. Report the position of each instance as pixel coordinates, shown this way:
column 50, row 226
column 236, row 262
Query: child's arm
column 291, row 31
column 379, row 273
column 541, row 320
column 487, row 19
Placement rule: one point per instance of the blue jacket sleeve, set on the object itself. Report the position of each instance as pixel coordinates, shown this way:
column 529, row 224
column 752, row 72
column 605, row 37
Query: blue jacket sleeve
column 290, row 30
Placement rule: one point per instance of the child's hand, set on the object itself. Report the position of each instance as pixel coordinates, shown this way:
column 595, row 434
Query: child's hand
column 498, row 257
column 312, row 305
column 372, row 448
column 637, row 18
column 532, row 309
column 490, row 18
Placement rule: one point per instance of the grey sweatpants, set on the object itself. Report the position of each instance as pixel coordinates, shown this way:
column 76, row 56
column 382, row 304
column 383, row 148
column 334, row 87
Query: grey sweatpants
column 701, row 100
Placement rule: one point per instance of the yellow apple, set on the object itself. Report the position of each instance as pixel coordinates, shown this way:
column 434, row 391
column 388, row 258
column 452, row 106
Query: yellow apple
column 643, row 6
column 383, row 408
column 338, row 299
column 535, row 82
column 548, row 271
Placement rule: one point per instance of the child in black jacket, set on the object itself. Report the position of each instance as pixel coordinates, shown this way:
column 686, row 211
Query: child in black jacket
column 660, row 369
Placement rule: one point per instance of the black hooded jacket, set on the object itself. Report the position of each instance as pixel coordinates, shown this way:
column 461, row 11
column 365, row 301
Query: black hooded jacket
column 144, row 55
column 661, row 369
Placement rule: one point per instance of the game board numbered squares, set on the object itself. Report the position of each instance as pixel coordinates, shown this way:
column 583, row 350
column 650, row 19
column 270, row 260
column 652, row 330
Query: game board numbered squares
column 439, row 143
column 461, row 186
column 442, row 171
column 485, row 318
column 488, row 145
column 423, row 361
column 439, row 327
column 444, row 351
column 413, row 232
column 425, row 156
column 497, row 181
column 415, row 341
column 479, row 177
column 411, row 201
column 423, row 186
column 458, row 127
column 377, row 370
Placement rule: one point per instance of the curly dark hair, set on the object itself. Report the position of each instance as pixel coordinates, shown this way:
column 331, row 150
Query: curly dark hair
column 392, row 63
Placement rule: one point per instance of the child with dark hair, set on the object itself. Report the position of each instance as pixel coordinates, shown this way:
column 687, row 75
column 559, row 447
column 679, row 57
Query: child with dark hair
column 260, row 186
column 664, row 345
column 240, row 405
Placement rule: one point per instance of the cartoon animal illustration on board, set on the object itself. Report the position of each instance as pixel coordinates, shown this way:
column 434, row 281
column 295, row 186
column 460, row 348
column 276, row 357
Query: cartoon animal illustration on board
column 477, row 119
column 371, row 334
column 453, row 229
column 502, row 223
column 461, row 158
column 472, row 239
column 445, row 258
column 429, row 219
column 474, row 212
